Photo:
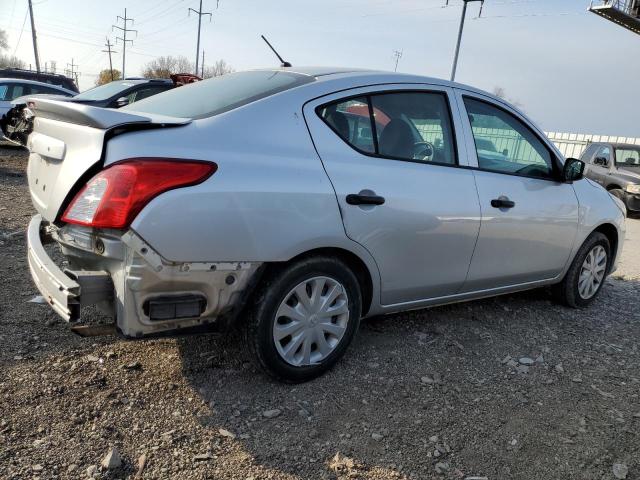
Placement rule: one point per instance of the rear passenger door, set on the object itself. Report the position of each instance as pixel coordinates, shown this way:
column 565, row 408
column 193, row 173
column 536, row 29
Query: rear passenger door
column 394, row 159
column 529, row 216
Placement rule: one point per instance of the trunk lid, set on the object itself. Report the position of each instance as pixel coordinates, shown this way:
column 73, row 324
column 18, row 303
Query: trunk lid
column 68, row 140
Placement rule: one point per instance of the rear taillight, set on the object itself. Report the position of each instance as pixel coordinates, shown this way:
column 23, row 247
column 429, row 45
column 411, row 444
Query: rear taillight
column 114, row 197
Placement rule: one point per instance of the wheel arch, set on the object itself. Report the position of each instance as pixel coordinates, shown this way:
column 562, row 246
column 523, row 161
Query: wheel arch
column 357, row 265
column 611, row 232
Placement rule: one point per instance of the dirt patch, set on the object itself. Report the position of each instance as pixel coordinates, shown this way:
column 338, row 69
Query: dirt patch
column 510, row 388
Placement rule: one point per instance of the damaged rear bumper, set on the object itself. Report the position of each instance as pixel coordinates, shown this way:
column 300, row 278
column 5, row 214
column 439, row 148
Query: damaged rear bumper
column 121, row 274
column 62, row 289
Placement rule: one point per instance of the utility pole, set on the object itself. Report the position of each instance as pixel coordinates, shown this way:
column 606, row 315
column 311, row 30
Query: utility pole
column 464, row 14
column 72, row 72
column 398, row 55
column 109, row 51
column 202, row 66
column 200, row 13
column 35, row 40
column 124, row 40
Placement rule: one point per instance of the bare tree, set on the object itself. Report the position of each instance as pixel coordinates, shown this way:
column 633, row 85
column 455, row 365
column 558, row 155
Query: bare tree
column 6, row 60
column 4, row 42
column 221, row 67
column 11, row 61
column 164, row 67
column 500, row 92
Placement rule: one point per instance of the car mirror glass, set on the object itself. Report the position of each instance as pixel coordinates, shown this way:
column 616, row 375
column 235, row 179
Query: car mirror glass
column 573, row 170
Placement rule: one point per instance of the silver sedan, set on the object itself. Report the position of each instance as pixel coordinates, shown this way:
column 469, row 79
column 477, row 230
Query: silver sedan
column 294, row 202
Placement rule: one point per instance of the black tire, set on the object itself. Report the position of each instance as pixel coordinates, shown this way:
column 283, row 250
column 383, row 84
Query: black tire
column 268, row 297
column 566, row 292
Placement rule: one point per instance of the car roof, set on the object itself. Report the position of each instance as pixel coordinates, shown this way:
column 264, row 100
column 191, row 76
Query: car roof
column 372, row 76
column 33, row 82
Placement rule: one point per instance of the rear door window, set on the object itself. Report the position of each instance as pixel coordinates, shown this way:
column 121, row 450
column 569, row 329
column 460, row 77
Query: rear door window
column 351, row 121
column 10, row 91
column 36, row 89
column 628, row 156
column 412, row 126
column 143, row 93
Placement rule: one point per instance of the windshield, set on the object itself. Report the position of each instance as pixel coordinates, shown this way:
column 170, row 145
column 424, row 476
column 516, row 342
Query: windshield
column 628, row 156
column 220, row 94
column 105, row 91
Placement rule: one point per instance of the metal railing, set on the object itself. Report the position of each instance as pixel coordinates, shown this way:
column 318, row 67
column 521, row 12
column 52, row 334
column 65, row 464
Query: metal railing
column 630, row 7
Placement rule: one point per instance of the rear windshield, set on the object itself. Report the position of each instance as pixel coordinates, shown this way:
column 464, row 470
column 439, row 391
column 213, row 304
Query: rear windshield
column 220, row 94
column 105, row 91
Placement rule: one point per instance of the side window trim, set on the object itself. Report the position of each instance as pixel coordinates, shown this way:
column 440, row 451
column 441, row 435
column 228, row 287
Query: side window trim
column 374, row 128
column 462, row 94
column 448, row 97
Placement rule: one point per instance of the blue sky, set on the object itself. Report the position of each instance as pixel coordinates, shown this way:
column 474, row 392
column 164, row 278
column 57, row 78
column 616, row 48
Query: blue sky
column 569, row 69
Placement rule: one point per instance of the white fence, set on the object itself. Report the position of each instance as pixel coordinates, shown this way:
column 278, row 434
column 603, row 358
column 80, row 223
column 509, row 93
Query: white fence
column 502, row 140
column 573, row 144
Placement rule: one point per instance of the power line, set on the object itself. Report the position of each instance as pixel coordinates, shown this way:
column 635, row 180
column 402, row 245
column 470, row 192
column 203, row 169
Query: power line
column 24, row 22
column 170, row 9
column 462, row 18
column 109, row 51
column 124, row 40
column 398, row 55
column 200, row 14
column 71, row 70
column 33, row 36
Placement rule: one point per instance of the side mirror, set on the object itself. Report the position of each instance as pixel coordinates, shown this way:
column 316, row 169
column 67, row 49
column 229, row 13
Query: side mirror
column 505, row 152
column 602, row 161
column 573, row 170
column 122, row 101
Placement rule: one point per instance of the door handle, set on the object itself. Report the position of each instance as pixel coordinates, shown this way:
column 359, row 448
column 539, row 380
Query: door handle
column 502, row 202
column 368, row 199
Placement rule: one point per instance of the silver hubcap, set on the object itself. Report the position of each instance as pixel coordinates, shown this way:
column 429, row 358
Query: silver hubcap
column 311, row 321
column 592, row 272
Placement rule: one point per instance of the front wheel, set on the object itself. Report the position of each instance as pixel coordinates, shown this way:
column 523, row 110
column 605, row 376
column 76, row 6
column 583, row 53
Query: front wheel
column 587, row 272
column 303, row 318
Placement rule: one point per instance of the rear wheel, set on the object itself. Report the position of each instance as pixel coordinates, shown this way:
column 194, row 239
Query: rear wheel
column 303, row 318
column 587, row 272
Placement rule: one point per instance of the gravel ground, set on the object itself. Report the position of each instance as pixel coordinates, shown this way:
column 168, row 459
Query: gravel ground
column 509, row 388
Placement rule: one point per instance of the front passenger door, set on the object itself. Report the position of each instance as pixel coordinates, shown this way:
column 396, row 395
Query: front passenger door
column 529, row 217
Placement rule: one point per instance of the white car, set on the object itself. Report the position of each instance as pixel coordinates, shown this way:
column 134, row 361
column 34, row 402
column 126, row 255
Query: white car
column 295, row 202
column 12, row 88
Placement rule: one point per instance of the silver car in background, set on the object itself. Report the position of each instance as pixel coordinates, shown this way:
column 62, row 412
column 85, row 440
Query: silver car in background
column 297, row 201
